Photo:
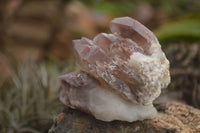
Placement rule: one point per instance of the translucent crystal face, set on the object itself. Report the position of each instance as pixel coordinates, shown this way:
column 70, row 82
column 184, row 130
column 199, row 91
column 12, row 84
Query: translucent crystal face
column 127, row 66
column 130, row 28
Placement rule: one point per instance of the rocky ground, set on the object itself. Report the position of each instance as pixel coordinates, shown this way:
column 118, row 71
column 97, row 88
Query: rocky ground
column 173, row 117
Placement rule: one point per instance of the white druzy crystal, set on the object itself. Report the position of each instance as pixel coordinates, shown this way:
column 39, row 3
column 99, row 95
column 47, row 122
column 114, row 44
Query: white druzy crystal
column 152, row 70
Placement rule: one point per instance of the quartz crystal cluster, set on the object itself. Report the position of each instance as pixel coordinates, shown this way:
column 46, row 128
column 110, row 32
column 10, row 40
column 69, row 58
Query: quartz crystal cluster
column 123, row 72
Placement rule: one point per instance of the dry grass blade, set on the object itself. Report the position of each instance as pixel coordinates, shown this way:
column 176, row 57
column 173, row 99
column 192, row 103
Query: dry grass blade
column 31, row 100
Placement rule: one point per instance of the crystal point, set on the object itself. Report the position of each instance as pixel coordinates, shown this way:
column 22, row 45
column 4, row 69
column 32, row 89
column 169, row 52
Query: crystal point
column 130, row 28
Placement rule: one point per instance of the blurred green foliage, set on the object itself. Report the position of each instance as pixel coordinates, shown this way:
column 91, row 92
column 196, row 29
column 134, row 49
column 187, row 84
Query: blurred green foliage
column 176, row 8
column 127, row 7
column 184, row 30
column 112, row 7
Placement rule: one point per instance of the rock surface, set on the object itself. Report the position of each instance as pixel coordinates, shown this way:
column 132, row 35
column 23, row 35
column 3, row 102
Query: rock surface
column 173, row 117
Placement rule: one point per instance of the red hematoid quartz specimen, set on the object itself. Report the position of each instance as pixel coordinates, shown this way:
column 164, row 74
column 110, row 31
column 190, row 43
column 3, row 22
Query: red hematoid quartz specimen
column 123, row 73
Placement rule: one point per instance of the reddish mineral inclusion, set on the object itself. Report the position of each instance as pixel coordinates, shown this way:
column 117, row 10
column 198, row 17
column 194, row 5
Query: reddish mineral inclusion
column 127, row 65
